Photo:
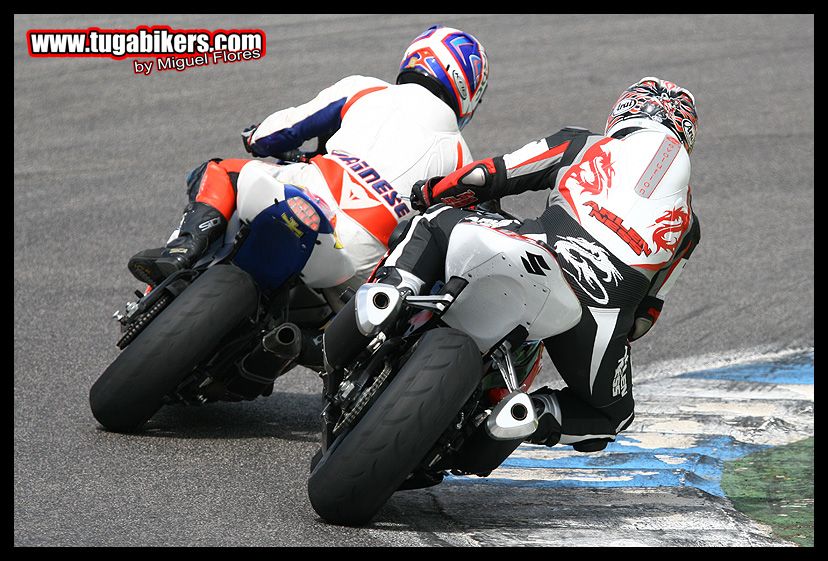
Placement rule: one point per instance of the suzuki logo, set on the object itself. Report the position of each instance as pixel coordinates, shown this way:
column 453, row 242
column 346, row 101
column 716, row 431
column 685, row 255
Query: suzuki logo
column 534, row 264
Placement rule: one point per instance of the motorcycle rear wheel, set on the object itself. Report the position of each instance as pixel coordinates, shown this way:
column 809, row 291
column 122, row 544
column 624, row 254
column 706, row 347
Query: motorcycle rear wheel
column 132, row 388
column 362, row 468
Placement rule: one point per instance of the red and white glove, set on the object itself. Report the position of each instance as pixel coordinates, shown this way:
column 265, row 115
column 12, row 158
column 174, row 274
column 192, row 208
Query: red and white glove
column 465, row 187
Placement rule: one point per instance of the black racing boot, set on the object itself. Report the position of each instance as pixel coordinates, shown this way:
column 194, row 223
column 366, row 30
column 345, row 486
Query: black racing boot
column 549, row 413
column 400, row 278
column 201, row 225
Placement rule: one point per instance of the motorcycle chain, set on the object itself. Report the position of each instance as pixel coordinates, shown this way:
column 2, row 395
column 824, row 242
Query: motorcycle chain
column 138, row 326
column 364, row 399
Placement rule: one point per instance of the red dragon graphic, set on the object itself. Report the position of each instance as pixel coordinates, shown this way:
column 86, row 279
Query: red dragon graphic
column 594, row 172
column 673, row 223
column 591, row 174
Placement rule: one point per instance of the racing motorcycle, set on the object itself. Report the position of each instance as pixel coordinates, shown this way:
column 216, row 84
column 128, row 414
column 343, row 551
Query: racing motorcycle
column 245, row 313
column 423, row 386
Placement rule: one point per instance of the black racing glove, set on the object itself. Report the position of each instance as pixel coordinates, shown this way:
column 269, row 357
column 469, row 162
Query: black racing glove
column 247, row 139
column 421, row 193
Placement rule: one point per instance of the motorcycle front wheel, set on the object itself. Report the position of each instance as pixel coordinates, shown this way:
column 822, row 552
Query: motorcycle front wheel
column 362, row 468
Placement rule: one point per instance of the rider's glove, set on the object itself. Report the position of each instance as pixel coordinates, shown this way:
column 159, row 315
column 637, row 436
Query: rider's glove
column 421, row 193
column 469, row 185
column 247, row 139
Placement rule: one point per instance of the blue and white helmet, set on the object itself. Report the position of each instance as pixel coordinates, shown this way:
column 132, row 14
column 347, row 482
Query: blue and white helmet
column 450, row 63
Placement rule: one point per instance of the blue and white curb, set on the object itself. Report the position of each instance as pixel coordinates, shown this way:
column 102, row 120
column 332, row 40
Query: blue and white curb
column 628, row 462
column 659, row 483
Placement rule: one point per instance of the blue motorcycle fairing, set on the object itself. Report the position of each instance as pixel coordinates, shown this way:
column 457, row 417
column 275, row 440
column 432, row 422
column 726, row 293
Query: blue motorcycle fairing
column 279, row 244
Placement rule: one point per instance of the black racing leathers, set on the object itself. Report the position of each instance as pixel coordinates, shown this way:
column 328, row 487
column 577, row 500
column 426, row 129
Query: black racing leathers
column 619, row 302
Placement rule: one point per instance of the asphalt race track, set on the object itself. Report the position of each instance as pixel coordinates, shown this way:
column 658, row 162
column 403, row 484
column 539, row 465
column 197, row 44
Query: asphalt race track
column 100, row 156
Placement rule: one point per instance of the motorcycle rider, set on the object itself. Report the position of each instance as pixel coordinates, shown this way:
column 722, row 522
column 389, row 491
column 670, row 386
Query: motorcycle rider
column 618, row 219
column 380, row 139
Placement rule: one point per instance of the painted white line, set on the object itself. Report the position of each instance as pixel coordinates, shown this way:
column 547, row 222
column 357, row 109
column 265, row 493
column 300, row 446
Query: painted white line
column 675, row 389
column 710, row 361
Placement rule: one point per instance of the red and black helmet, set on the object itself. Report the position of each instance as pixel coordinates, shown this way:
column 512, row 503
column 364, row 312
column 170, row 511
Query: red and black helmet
column 654, row 103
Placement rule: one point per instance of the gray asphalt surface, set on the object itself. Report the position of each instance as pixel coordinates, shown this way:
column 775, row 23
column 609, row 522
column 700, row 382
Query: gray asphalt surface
column 100, row 156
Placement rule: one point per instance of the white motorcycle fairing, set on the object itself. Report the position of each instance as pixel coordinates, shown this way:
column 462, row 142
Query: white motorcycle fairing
column 512, row 281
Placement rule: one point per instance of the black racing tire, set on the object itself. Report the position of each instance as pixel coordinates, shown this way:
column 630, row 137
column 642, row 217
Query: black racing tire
column 362, row 468
column 132, row 388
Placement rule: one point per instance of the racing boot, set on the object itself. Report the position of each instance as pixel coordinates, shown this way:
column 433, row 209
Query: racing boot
column 201, row 225
column 548, row 432
column 400, row 278
column 549, row 417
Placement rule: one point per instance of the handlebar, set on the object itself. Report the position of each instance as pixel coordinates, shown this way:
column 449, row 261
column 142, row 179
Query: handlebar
column 303, row 156
column 297, row 156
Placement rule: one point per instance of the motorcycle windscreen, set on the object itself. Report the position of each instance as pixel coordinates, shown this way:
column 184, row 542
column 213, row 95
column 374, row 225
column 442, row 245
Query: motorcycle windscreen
column 277, row 247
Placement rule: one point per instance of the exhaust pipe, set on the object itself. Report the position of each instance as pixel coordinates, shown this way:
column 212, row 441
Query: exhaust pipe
column 269, row 360
column 284, row 341
column 371, row 309
column 513, row 417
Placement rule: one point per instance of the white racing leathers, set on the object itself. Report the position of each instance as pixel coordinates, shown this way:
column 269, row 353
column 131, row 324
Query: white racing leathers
column 620, row 224
column 383, row 139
